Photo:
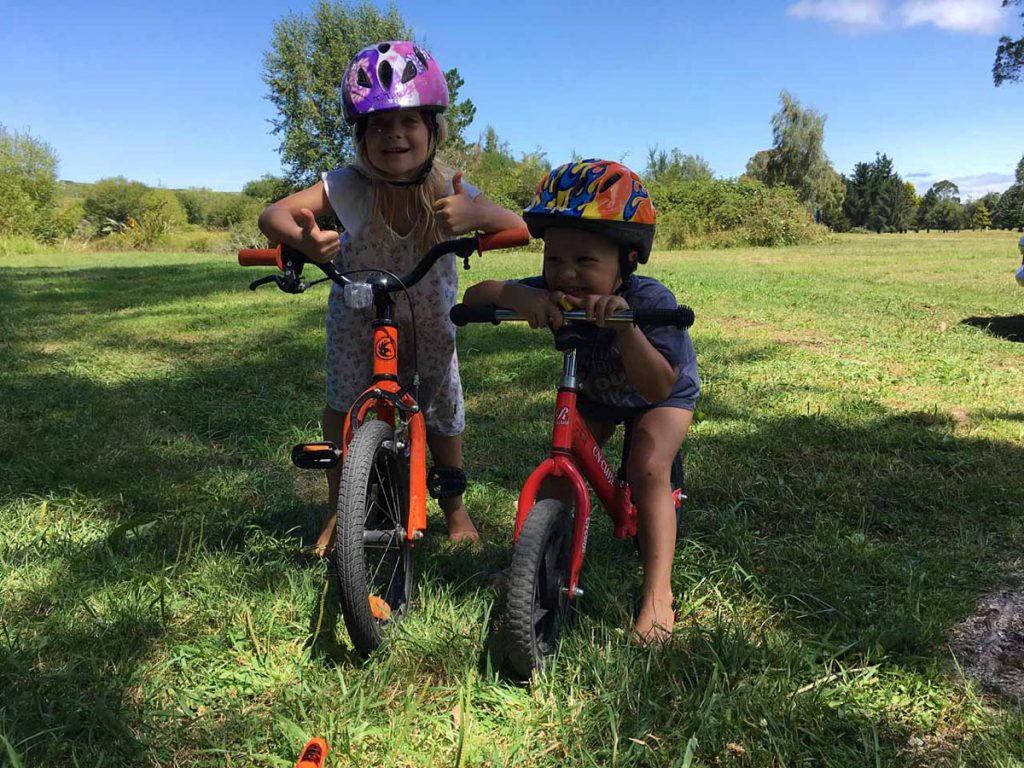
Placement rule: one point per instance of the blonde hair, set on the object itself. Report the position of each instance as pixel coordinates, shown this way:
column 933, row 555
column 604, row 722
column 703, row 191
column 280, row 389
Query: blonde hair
column 418, row 200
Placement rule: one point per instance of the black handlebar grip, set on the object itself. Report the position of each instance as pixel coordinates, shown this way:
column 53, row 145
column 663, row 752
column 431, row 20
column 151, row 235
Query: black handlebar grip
column 462, row 314
column 680, row 317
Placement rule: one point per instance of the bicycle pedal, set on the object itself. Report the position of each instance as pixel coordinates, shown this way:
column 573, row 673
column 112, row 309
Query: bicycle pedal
column 316, row 455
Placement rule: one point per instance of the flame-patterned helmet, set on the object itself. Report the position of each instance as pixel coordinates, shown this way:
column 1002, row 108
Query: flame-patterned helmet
column 392, row 75
column 601, row 196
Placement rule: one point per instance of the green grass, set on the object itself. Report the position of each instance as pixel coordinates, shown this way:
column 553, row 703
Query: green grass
column 855, row 481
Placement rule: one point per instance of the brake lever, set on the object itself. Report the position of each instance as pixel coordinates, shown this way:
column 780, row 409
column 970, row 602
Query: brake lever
column 262, row 281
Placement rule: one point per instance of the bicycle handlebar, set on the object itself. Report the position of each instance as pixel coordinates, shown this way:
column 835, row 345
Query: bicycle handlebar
column 680, row 317
column 284, row 257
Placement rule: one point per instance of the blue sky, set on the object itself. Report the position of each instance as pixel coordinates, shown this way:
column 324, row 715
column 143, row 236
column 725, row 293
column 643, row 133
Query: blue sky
column 171, row 93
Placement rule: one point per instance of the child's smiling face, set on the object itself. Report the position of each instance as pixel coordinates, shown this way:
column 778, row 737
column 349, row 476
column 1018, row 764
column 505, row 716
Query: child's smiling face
column 579, row 262
column 397, row 142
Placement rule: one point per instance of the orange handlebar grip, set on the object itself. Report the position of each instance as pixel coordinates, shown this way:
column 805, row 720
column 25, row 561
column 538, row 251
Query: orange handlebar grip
column 314, row 754
column 260, row 257
column 506, row 238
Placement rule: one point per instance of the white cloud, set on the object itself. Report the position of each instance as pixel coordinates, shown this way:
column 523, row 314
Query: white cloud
column 971, row 187
column 978, row 16
column 973, row 16
column 854, row 13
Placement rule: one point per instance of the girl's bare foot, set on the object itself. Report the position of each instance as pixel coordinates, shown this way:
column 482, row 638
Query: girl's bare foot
column 655, row 621
column 460, row 525
column 325, row 541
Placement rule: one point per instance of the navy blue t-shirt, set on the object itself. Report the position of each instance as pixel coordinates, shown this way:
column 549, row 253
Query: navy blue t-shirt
column 599, row 367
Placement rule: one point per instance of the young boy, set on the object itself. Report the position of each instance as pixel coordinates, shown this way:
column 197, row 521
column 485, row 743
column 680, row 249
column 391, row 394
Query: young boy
column 597, row 222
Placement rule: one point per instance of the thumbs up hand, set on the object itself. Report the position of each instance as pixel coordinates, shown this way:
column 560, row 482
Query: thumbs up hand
column 321, row 245
column 457, row 213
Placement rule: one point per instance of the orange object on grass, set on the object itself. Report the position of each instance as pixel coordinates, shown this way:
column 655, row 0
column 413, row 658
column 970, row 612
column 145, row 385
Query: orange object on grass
column 314, row 754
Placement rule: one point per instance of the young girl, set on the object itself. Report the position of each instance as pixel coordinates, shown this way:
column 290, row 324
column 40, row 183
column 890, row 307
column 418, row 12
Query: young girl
column 597, row 222
column 394, row 203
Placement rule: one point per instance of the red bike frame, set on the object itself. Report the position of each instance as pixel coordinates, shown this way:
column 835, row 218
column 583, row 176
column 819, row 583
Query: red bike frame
column 575, row 455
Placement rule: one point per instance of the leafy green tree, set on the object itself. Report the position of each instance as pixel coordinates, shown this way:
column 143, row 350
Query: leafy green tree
column 268, row 188
column 924, row 211
column 893, row 210
column 303, row 70
column 1018, row 173
column 1009, row 211
column 757, row 166
column 797, row 157
column 1009, row 64
column 28, row 185
column 981, row 218
column 946, row 190
column 491, row 165
column 112, row 203
column 947, row 215
column 877, row 198
column 674, row 165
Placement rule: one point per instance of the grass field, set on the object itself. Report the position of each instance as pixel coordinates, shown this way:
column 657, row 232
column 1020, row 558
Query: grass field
column 855, row 478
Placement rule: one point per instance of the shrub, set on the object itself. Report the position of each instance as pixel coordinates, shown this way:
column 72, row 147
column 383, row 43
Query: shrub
column 719, row 213
column 28, row 185
column 111, row 204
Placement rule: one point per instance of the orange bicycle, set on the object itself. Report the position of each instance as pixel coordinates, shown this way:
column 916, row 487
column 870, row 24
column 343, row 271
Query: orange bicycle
column 382, row 499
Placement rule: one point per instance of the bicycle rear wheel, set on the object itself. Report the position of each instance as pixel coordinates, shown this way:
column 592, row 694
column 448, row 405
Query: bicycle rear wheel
column 373, row 555
column 537, row 601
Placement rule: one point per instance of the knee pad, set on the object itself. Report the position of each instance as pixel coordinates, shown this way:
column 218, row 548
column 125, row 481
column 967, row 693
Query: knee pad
column 446, row 482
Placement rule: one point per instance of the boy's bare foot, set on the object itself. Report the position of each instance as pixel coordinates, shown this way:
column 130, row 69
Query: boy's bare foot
column 655, row 621
column 460, row 526
column 325, row 541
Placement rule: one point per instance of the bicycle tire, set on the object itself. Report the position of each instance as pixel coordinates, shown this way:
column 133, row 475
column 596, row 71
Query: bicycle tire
column 537, row 600
column 374, row 571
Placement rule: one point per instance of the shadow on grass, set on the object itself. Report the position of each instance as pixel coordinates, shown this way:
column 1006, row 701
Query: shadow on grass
column 1010, row 327
column 865, row 536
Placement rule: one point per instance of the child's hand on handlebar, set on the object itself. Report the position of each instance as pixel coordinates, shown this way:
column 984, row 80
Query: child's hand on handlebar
column 599, row 307
column 320, row 245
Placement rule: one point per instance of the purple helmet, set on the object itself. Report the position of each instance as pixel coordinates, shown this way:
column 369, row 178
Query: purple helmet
column 392, row 75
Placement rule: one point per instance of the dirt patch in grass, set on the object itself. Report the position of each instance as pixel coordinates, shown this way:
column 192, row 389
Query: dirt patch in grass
column 990, row 644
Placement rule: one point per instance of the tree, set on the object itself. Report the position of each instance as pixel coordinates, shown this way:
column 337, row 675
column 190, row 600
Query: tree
column 1009, row 211
column 924, row 210
column 268, row 188
column 1018, row 173
column 797, row 157
column 877, row 198
column 981, row 218
column 303, row 70
column 28, row 184
column 114, row 202
column 947, row 215
column 947, row 190
column 1009, row 64
column 675, row 166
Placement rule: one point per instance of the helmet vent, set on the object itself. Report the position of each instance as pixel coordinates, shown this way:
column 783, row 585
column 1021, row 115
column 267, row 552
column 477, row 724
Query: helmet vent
column 409, row 72
column 363, row 79
column 420, row 56
column 384, row 74
column 384, row 47
column 610, row 181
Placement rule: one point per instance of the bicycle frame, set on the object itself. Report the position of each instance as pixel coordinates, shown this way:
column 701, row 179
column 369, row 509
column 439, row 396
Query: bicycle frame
column 575, row 455
column 385, row 397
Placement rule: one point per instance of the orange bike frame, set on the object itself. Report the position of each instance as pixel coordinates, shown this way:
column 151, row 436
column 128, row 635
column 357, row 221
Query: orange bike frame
column 385, row 381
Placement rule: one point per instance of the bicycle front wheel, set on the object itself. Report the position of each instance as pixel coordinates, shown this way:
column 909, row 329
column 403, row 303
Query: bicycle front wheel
column 373, row 555
column 538, row 583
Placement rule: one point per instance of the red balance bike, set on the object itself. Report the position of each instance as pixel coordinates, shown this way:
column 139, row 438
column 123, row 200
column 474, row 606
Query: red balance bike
column 382, row 499
column 550, row 541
